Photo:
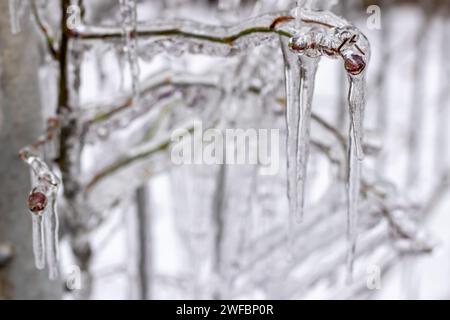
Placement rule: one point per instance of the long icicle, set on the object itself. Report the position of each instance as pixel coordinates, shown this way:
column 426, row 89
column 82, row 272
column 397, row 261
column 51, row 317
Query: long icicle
column 357, row 101
column 38, row 241
column 292, row 72
column 51, row 224
column 308, row 71
column 42, row 206
column 300, row 72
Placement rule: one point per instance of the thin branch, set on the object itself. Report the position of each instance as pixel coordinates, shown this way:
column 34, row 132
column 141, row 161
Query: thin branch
column 217, row 34
column 162, row 146
column 43, row 26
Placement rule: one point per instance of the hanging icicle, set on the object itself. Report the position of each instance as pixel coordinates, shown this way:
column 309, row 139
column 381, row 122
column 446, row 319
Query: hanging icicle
column 301, row 55
column 300, row 75
column 128, row 11
column 42, row 206
column 355, row 59
column 16, row 13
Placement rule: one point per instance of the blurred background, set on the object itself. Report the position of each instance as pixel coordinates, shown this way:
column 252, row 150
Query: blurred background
column 135, row 226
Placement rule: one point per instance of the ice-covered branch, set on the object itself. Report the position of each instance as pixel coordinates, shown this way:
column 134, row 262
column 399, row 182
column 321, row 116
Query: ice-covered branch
column 42, row 206
column 250, row 33
column 45, row 30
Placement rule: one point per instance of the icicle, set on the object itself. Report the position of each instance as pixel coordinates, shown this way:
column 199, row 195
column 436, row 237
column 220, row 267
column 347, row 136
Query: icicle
column 301, row 55
column 38, row 241
column 16, row 11
column 300, row 75
column 292, row 70
column 307, row 80
column 357, row 102
column 353, row 188
column 128, row 10
column 355, row 52
column 51, row 225
column 42, row 206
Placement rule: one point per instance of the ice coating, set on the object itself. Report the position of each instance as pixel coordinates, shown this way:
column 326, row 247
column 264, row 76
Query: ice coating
column 43, row 209
column 347, row 43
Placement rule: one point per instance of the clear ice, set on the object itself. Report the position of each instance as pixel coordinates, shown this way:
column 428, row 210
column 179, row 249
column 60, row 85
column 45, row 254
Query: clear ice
column 42, row 206
column 128, row 11
column 301, row 54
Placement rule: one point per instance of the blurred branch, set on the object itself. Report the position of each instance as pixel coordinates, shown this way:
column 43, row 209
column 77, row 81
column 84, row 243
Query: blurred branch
column 45, row 30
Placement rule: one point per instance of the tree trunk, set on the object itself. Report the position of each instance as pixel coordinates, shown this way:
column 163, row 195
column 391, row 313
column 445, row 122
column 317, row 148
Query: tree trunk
column 20, row 124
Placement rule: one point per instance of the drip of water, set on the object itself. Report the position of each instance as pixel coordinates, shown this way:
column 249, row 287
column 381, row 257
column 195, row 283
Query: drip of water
column 42, row 206
column 128, row 11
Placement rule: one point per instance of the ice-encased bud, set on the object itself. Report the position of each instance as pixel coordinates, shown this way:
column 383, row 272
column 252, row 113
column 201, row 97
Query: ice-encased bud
column 299, row 43
column 37, row 201
column 354, row 62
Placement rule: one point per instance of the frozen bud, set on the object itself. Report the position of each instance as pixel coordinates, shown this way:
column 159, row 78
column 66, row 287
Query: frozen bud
column 299, row 43
column 37, row 202
column 354, row 62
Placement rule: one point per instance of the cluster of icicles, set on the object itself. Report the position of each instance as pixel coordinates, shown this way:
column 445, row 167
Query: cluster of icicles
column 43, row 210
column 302, row 53
column 328, row 36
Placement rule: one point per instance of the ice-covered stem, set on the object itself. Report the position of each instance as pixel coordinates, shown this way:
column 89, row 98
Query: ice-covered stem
column 163, row 145
column 191, row 30
column 151, row 86
column 69, row 153
column 188, row 30
column 42, row 206
column 45, row 30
